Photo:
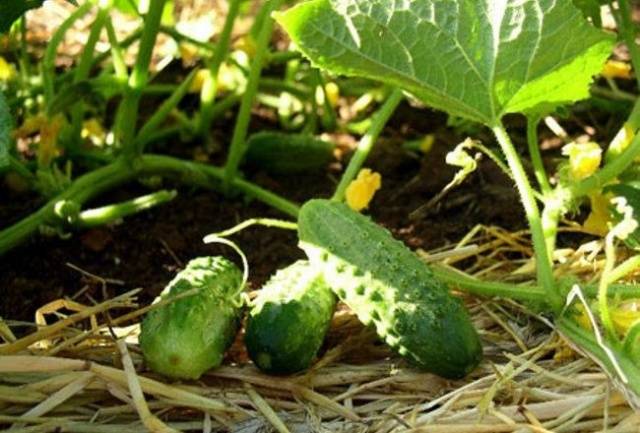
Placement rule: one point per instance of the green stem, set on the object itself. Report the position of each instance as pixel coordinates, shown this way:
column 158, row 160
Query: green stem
column 123, row 170
column 128, row 110
column 603, row 286
column 366, row 143
column 181, row 37
column 536, row 157
column 630, row 265
column 107, row 214
column 84, row 68
column 49, row 61
column 24, row 53
column 543, row 262
column 117, row 56
column 154, row 122
column 238, row 141
column 329, row 117
column 525, row 293
column 19, row 168
column 490, row 288
column 210, row 86
column 627, row 30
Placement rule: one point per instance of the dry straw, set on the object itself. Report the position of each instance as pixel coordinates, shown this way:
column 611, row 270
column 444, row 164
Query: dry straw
column 84, row 373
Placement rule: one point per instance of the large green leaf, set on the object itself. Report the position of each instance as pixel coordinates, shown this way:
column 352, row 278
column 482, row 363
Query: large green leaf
column 478, row 59
column 6, row 123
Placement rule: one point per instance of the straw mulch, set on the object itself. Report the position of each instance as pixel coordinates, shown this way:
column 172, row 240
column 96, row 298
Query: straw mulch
column 84, row 372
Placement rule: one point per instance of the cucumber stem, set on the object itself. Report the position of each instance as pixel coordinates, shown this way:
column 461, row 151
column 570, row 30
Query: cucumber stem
column 366, row 143
column 627, row 30
column 153, row 124
column 489, row 288
column 542, row 255
column 49, row 61
column 123, row 170
column 127, row 115
column 210, row 86
column 238, row 141
column 84, row 69
column 536, row 156
column 532, row 293
column 623, row 269
column 106, row 214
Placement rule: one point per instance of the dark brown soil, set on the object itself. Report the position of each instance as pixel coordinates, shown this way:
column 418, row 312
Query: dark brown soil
column 146, row 250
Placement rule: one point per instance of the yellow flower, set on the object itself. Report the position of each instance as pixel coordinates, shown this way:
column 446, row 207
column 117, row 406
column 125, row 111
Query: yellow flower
column 616, row 69
column 198, row 81
column 360, row 192
column 93, row 130
column 597, row 223
column 584, row 159
column 7, row 70
column 332, row 91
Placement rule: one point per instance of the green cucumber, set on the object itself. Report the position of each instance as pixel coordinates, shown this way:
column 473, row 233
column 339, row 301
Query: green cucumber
column 389, row 287
column 289, row 320
column 186, row 337
column 283, row 153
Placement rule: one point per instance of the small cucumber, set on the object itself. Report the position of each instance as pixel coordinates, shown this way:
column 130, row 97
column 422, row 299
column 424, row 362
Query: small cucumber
column 282, row 153
column 185, row 338
column 389, row 287
column 289, row 320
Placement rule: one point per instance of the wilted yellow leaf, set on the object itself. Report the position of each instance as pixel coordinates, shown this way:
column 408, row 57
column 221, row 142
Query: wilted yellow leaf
column 360, row 192
column 597, row 223
column 48, row 145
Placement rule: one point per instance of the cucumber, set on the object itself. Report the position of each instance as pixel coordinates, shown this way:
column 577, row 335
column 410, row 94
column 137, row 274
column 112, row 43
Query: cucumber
column 282, row 153
column 185, row 338
column 389, row 287
column 289, row 320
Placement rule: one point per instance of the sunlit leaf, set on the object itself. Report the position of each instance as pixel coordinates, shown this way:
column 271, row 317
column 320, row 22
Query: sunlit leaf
column 478, row 59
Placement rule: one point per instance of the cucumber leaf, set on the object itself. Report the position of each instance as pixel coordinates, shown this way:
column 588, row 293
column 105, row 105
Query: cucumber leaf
column 477, row 59
column 6, row 123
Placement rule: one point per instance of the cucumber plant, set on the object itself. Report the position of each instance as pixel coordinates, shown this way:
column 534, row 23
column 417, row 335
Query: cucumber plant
column 481, row 60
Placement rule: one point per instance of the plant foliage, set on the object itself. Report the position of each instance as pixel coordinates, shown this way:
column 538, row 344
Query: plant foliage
column 474, row 59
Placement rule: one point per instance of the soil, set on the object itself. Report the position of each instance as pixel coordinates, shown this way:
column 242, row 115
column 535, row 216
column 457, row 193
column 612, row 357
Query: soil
column 147, row 249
